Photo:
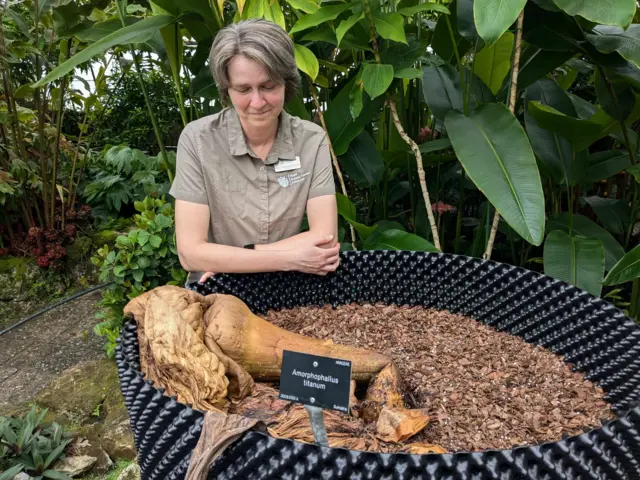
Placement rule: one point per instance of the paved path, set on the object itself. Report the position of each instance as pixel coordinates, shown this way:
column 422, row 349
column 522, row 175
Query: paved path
column 34, row 353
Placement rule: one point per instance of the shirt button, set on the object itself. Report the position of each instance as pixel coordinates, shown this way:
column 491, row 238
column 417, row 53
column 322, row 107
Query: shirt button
column 264, row 197
column 262, row 169
column 264, row 226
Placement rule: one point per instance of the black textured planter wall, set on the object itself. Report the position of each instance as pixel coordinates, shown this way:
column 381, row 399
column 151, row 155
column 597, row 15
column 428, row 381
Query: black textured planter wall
column 591, row 333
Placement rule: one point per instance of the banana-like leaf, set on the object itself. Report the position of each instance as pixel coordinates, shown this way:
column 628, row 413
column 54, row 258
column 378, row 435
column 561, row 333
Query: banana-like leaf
column 609, row 12
column 581, row 133
column 584, row 227
column 495, row 152
column 123, row 36
column 614, row 214
column 492, row 63
column 362, row 161
column 575, row 260
column 565, row 163
column 627, row 269
column 606, row 164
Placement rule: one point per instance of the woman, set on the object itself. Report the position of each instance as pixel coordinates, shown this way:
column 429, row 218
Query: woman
column 245, row 175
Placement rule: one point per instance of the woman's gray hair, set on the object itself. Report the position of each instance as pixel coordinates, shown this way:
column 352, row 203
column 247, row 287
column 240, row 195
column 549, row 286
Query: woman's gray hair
column 263, row 42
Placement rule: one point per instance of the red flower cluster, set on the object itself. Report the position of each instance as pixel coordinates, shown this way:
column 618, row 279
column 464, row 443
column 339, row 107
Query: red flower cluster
column 442, row 207
column 425, row 133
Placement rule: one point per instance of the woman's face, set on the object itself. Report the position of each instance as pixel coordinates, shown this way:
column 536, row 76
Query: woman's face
column 257, row 99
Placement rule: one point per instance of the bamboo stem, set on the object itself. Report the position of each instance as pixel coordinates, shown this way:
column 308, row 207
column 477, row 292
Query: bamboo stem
column 421, row 175
column 512, row 107
column 334, row 159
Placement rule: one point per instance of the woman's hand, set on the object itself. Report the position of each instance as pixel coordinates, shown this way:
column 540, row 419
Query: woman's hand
column 317, row 255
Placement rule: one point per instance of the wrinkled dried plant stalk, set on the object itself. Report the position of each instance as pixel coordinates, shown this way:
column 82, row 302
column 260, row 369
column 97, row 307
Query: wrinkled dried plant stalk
column 512, row 108
column 421, row 175
column 334, row 159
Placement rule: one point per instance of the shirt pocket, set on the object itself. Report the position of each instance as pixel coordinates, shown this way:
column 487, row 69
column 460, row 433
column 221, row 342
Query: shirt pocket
column 232, row 197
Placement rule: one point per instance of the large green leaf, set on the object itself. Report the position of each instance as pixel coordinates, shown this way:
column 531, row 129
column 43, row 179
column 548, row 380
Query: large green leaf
column 564, row 162
column 494, row 17
column 390, row 26
column 123, row 36
column 493, row 62
column 393, row 239
column 203, row 85
column 551, row 30
column 324, row 14
column 307, row 6
column 423, row 7
column 273, row 13
column 495, row 152
column 347, row 25
column 341, row 127
column 403, row 56
column 362, row 161
column 442, row 91
column 465, row 21
column 535, row 63
column 607, row 12
column 608, row 163
column 613, row 214
column 191, row 10
column 586, row 228
column 581, row 133
column 617, row 97
column 627, row 269
column 102, row 29
column 575, row 260
column 611, row 39
column 376, row 78
column 306, row 61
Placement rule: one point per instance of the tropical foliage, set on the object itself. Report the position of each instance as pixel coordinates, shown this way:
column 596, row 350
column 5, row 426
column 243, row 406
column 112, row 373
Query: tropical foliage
column 498, row 128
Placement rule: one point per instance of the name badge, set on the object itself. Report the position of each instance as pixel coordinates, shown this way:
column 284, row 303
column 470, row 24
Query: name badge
column 286, row 165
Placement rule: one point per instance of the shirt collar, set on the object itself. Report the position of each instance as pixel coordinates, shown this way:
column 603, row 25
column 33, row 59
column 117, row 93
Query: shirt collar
column 282, row 146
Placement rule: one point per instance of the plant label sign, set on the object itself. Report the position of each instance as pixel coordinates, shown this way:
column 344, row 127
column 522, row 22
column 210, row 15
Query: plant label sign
column 316, row 381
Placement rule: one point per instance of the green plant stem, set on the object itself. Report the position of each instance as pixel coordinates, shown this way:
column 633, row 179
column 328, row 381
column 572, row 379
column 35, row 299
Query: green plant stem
column 56, row 153
column 635, row 296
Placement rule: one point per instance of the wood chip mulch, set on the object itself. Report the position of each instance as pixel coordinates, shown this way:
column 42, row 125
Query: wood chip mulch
column 484, row 389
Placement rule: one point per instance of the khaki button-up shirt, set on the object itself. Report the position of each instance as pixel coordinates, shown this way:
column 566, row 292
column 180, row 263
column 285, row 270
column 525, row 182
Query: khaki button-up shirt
column 251, row 200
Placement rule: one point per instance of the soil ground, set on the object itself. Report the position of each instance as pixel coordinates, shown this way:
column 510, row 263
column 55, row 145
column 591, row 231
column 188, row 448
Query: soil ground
column 34, row 353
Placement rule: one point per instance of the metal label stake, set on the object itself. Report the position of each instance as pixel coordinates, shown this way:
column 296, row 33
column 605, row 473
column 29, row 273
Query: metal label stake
column 316, row 418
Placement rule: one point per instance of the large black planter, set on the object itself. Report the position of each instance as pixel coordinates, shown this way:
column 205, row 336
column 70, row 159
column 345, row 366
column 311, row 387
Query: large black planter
column 591, row 333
